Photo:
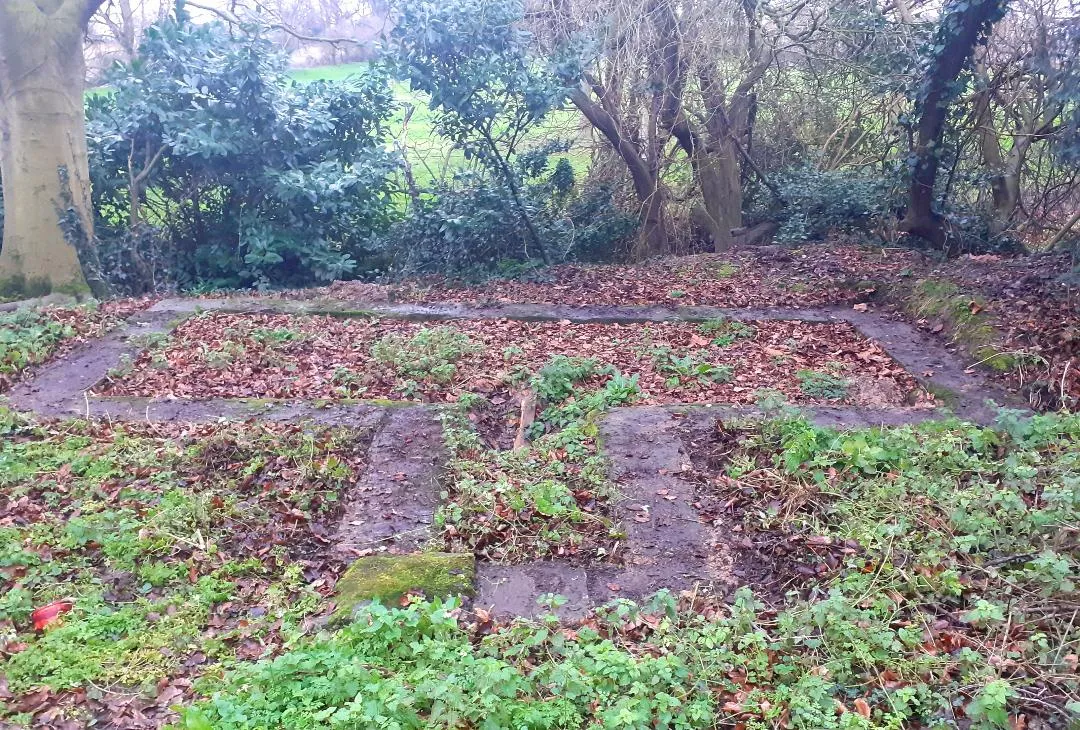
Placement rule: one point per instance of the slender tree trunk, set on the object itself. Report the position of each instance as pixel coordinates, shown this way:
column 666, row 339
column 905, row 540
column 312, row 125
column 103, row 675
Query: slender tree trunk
column 43, row 163
column 653, row 239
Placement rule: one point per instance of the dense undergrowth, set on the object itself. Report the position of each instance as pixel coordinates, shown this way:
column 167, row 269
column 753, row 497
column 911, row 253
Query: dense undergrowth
column 957, row 611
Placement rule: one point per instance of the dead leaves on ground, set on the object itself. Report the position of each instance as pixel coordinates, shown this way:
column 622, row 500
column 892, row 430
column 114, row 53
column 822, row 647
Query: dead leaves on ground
column 311, row 364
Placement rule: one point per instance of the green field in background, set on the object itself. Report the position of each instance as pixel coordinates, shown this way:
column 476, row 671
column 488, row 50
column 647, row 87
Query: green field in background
column 430, row 156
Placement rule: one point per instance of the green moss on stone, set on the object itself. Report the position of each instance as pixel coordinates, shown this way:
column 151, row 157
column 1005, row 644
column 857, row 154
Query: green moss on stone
column 999, row 362
column 947, row 396
column 387, row 578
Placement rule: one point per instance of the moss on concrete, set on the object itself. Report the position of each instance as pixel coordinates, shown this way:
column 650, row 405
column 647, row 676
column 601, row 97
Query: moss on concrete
column 387, row 578
column 946, row 396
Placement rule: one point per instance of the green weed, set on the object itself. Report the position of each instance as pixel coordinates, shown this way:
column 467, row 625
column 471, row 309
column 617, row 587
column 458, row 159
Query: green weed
column 429, row 355
column 823, row 386
column 688, row 368
column 726, row 331
column 556, row 379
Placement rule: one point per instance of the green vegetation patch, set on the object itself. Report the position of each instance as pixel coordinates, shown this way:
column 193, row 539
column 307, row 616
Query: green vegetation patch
column 937, row 589
column 548, row 497
column 429, row 354
column 387, row 578
column 166, row 542
column 952, row 542
column 725, row 332
column 682, row 370
column 29, row 337
column 823, row 385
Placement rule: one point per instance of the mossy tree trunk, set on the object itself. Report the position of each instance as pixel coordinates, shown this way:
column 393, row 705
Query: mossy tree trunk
column 43, row 157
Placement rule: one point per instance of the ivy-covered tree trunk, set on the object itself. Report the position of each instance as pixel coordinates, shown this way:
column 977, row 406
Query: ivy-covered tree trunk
column 963, row 25
column 43, row 158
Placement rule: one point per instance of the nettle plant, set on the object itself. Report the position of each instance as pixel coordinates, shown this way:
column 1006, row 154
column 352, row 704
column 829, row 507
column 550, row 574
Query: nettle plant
column 27, row 337
column 823, row 385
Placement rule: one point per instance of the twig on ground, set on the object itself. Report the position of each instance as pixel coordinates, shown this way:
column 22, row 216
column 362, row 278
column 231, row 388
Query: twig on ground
column 528, row 415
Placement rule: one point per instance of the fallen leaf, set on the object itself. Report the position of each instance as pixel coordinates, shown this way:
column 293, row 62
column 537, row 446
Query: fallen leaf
column 47, row 615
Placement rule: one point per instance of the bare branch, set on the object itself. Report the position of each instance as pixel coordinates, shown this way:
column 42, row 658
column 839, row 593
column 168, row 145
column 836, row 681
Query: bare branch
column 276, row 24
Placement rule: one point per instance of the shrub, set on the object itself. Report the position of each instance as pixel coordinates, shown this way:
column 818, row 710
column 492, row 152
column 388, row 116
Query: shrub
column 465, row 226
column 248, row 178
column 819, row 202
column 470, row 226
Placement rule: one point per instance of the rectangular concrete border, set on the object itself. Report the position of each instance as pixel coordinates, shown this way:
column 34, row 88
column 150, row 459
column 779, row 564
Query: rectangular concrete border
column 61, row 388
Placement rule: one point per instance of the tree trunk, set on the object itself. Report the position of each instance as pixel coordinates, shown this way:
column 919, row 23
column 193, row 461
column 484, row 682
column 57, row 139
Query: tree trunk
column 653, row 239
column 718, row 176
column 43, row 163
column 961, row 32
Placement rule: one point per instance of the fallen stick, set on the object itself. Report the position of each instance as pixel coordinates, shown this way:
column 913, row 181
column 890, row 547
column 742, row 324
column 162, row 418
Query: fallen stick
column 528, row 415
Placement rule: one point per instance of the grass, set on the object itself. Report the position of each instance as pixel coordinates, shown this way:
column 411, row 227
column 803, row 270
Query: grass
column 431, row 157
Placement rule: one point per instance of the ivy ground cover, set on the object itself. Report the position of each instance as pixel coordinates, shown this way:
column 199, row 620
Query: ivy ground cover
column 283, row 356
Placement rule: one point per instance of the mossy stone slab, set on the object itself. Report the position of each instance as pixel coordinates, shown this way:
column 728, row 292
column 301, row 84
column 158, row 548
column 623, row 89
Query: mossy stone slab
column 387, row 578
